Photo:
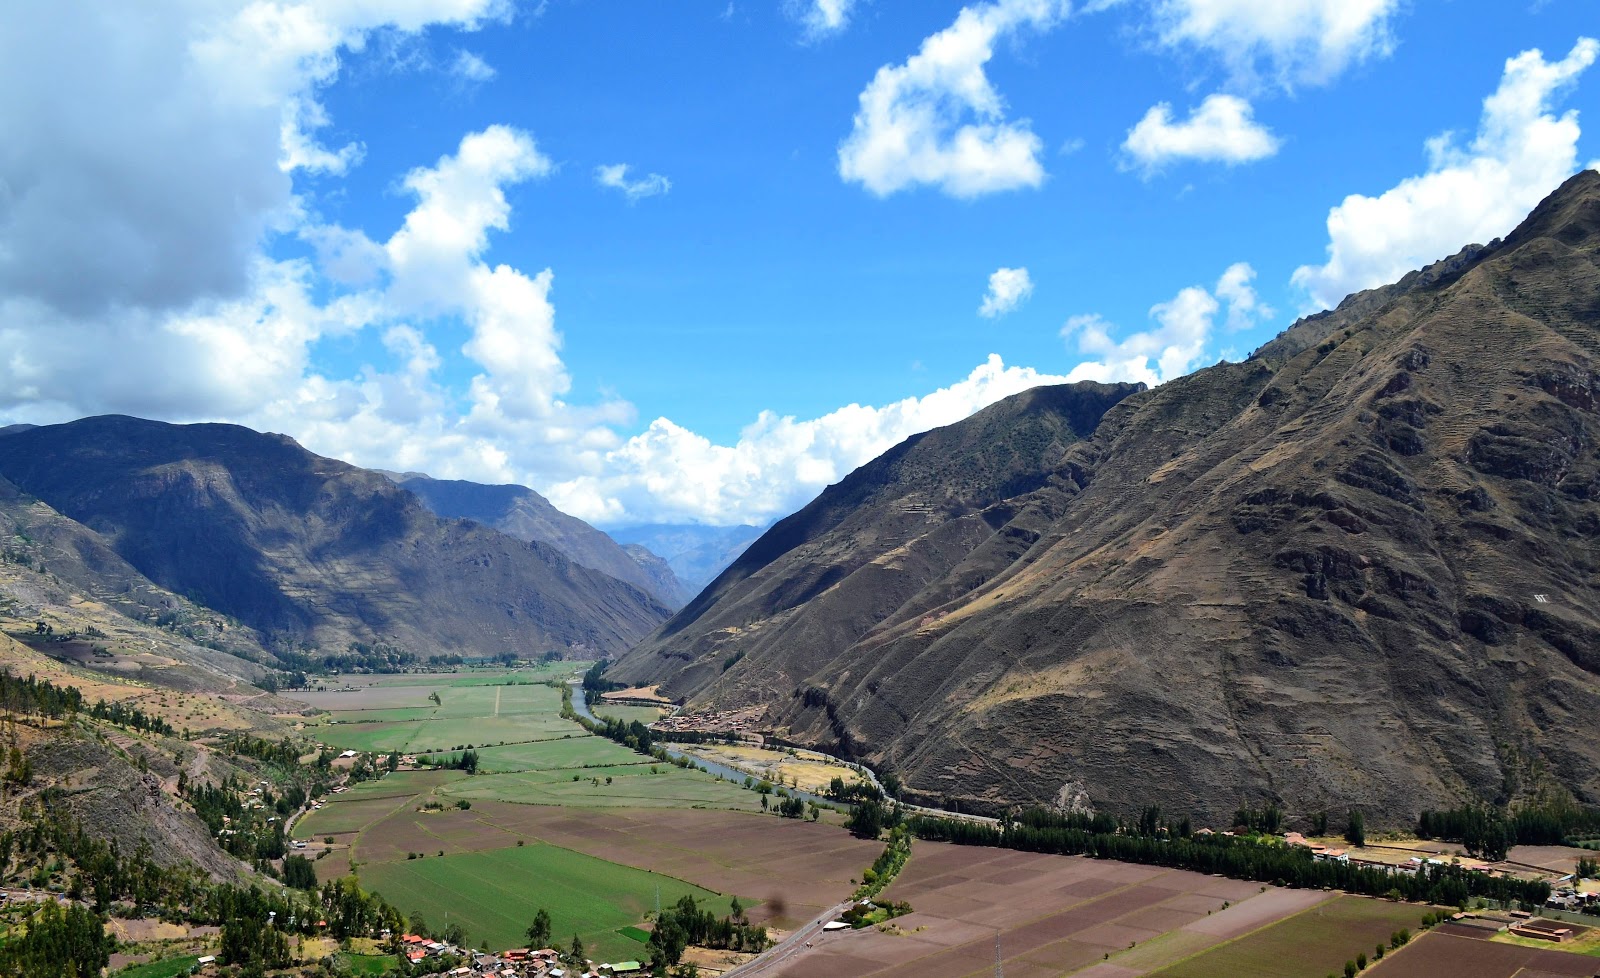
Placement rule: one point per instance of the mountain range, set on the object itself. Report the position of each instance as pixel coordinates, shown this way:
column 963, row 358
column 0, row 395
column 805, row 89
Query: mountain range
column 522, row 513
column 1360, row 568
column 309, row 552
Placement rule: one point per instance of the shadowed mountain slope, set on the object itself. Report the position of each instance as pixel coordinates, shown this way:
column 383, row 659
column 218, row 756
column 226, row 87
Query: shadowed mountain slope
column 1361, row 568
column 307, row 549
column 526, row 515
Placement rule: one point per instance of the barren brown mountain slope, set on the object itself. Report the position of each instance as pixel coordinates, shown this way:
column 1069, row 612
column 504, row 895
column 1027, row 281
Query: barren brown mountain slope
column 1358, row 569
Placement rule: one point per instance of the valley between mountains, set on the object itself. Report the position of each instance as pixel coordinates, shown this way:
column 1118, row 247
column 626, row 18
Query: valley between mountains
column 1276, row 664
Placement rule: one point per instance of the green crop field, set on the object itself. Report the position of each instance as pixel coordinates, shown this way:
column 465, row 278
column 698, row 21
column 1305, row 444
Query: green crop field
column 370, row 964
column 382, row 715
column 170, row 968
column 632, row 786
column 1311, row 944
column 495, row 895
column 383, row 737
column 581, row 751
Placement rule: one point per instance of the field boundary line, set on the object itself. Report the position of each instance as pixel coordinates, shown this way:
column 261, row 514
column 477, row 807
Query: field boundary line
column 1252, row 933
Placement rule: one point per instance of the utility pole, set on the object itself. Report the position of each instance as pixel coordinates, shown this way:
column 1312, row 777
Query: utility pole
column 999, row 972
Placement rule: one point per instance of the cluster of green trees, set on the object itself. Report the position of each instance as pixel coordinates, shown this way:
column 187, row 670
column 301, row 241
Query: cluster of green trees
column 31, row 696
column 357, row 657
column 1490, row 832
column 1232, row 856
column 855, row 791
column 254, row 945
column 791, row 807
column 298, row 873
column 60, row 942
column 466, row 761
column 685, row 923
column 870, row 817
column 1268, row 819
column 131, row 717
column 284, row 752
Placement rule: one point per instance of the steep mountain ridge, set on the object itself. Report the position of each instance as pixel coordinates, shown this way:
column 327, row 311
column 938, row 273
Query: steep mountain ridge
column 522, row 513
column 1362, row 567
column 306, row 549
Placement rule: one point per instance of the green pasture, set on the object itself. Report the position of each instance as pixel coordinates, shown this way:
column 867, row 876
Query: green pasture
column 583, row 751
column 495, row 895
column 170, row 968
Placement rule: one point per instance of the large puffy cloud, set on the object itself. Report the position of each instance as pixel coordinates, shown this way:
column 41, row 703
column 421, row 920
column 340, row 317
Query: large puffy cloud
column 1221, row 130
column 1184, row 328
column 778, row 463
column 131, row 128
column 936, row 120
column 1521, row 152
column 1288, row 41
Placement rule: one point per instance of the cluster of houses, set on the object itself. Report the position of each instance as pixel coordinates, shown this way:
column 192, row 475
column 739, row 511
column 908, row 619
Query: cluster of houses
column 517, row 963
column 715, row 721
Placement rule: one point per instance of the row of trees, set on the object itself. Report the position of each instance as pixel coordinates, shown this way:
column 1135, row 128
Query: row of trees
column 1490, row 832
column 31, row 696
column 1235, row 857
column 132, row 717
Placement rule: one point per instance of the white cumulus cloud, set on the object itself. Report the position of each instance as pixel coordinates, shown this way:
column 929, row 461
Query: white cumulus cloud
column 1008, row 289
column 470, row 67
column 615, row 176
column 1471, row 193
column 1288, row 42
column 822, row 18
column 778, row 462
column 1184, row 326
column 1222, row 130
column 938, row 121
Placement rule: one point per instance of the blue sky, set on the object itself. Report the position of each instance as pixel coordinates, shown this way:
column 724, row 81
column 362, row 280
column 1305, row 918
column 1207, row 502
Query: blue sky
column 404, row 234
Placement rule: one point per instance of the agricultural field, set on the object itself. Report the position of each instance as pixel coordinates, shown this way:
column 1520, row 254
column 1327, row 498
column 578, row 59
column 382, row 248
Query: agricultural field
column 1438, row 954
column 495, row 895
column 1309, row 944
column 804, row 771
column 630, row 786
column 479, row 848
column 1053, row 915
column 170, row 968
column 575, row 748
column 404, row 718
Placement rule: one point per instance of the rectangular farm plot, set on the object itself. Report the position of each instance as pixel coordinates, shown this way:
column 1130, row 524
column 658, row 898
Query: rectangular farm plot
column 462, row 702
column 440, row 735
column 1309, row 944
column 669, row 787
column 494, row 895
column 380, row 737
column 1439, row 955
column 1053, row 915
column 579, row 751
